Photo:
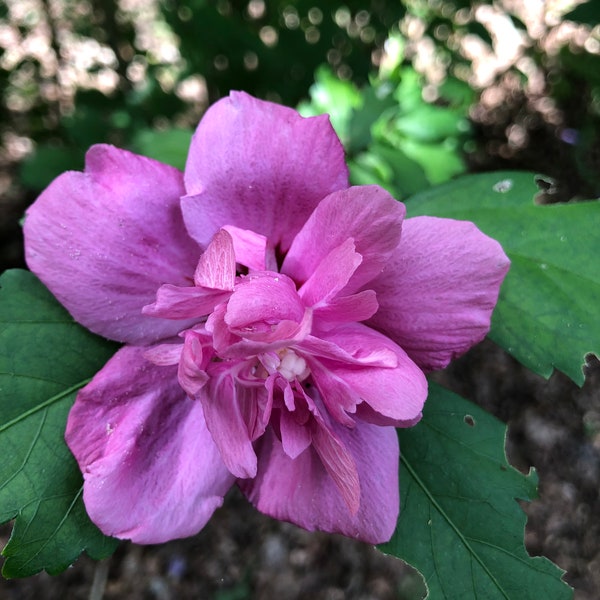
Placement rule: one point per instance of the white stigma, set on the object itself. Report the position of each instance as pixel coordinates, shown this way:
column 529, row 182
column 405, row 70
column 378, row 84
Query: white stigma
column 293, row 366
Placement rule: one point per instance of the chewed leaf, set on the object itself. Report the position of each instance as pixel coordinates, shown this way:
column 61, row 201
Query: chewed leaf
column 460, row 524
column 546, row 315
column 45, row 358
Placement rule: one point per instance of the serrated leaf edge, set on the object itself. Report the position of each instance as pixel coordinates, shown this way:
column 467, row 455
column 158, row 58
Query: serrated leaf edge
column 437, row 506
column 50, row 537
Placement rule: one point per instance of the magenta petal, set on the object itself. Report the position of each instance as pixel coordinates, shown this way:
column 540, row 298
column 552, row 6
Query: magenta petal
column 338, row 397
column 216, row 267
column 259, row 166
column 331, row 274
column 365, row 413
column 191, row 371
column 151, row 469
column 295, row 437
column 191, row 302
column 265, row 307
column 264, row 298
column 346, row 309
column 438, row 291
column 164, row 355
column 397, row 393
column 377, row 356
column 339, row 463
column 224, row 413
column 366, row 214
column 251, row 249
column 301, row 490
column 104, row 241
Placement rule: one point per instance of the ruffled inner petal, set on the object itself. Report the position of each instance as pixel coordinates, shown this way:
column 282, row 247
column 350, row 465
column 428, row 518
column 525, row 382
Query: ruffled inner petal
column 346, row 309
column 263, row 299
column 225, row 420
column 338, row 397
column 295, row 436
column 265, row 308
column 366, row 214
column 396, row 392
column 216, row 267
column 252, row 249
column 331, row 275
column 191, row 372
column 192, row 302
column 374, row 355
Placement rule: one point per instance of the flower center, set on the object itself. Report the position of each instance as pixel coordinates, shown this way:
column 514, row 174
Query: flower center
column 285, row 362
column 292, row 366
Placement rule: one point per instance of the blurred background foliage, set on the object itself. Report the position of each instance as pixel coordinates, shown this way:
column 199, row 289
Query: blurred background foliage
column 419, row 91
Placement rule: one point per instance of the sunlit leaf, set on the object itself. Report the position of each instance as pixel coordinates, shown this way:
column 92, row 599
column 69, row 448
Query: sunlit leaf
column 547, row 314
column 431, row 124
column 378, row 101
column 389, row 168
column 439, row 161
column 460, row 524
column 45, row 357
column 335, row 97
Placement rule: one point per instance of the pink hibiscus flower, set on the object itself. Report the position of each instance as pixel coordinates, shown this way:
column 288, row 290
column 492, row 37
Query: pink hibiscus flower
column 277, row 325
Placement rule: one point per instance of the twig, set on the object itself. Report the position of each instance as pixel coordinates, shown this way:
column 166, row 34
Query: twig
column 100, row 578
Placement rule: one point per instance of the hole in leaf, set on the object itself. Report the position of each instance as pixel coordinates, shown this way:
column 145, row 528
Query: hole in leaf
column 469, row 420
column 503, row 186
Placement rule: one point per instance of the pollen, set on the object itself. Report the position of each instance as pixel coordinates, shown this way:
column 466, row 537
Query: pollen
column 293, row 366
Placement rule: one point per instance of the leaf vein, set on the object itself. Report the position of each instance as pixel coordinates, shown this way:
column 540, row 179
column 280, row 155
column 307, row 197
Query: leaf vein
column 44, row 404
column 29, row 451
column 454, row 527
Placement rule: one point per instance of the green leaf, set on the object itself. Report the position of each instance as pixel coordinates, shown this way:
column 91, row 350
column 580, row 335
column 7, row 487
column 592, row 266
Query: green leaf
column 439, row 161
column 377, row 100
column 546, row 315
column 458, row 94
column 170, row 146
column 45, row 358
column 335, row 97
column 409, row 92
column 47, row 162
column 389, row 168
column 430, row 124
column 460, row 524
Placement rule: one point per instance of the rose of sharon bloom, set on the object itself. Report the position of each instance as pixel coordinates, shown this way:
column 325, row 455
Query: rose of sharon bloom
column 277, row 325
